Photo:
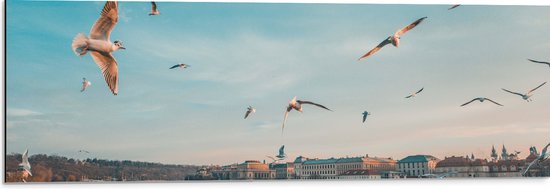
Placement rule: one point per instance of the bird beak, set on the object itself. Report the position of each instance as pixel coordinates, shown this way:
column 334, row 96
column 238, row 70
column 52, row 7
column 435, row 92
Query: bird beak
column 123, row 48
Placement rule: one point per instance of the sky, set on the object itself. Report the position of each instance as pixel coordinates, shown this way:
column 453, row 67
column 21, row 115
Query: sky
column 264, row 54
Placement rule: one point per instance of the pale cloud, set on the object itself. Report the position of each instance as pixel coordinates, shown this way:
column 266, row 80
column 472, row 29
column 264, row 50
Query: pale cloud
column 19, row 112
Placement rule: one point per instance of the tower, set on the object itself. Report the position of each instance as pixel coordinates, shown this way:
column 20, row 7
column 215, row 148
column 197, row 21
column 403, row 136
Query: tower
column 494, row 155
column 504, row 155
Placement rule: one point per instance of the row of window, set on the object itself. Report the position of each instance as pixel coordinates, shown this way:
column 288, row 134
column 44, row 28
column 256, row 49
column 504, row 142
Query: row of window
column 327, row 166
column 415, row 172
column 325, row 172
column 410, row 165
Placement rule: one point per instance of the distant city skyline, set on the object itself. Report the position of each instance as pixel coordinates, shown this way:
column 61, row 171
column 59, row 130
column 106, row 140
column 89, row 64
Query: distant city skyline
column 262, row 55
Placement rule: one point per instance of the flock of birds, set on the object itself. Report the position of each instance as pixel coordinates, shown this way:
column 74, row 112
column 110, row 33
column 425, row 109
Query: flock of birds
column 100, row 47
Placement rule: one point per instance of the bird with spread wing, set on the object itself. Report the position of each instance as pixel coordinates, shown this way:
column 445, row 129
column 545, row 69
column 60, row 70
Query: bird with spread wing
column 297, row 105
column 99, row 44
column 394, row 39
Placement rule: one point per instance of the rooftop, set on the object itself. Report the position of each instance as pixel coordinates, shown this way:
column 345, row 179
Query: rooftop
column 417, row 158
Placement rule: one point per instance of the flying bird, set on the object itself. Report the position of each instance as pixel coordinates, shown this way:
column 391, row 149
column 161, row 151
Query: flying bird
column 542, row 157
column 282, row 154
column 25, row 165
column 526, row 96
column 99, row 44
column 454, row 6
column 85, row 84
column 297, row 105
column 182, row 66
column 83, row 151
column 481, row 99
column 415, row 93
column 365, row 114
column 249, row 110
column 394, row 39
column 154, row 10
column 540, row 62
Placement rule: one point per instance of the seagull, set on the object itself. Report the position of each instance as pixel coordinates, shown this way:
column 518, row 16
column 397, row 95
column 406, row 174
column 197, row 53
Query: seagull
column 414, row 94
column 394, row 39
column 85, row 84
column 526, row 96
column 282, row 154
column 250, row 110
column 154, row 10
column 100, row 46
column 454, row 6
column 183, row 66
column 547, row 63
column 83, row 151
column 297, row 105
column 481, row 99
column 365, row 114
column 25, row 165
column 542, row 157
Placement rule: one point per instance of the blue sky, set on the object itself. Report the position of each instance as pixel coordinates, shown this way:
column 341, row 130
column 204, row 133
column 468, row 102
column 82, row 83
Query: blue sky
column 263, row 55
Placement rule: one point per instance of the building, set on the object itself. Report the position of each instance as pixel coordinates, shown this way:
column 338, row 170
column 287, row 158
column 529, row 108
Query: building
column 249, row 170
column 315, row 168
column 283, row 170
column 463, row 167
column 417, row 165
column 332, row 168
column 506, row 168
column 362, row 174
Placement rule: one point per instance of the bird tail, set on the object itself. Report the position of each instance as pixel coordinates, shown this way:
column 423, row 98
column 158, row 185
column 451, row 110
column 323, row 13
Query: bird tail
column 80, row 44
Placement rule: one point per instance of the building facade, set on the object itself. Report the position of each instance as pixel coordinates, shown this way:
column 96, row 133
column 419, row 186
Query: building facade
column 417, row 165
column 284, row 170
column 249, row 170
column 332, row 168
column 463, row 167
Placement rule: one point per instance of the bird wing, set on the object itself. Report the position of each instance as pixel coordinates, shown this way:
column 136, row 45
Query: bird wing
column 469, row 102
column 409, row 27
column 409, row 96
column 375, row 49
column 25, row 157
column 282, row 150
column 247, row 113
column 153, row 6
column 420, row 90
column 513, row 92
column 175, row 66
column 540, row 62
column 84, row 85
column 544, row 150
column 104, row 25
column 454, row 6
column 364, row 117
column 109, row 68
column 308, row 102
column 537, row 87
column 286, row 116
column 530, row 164
column 493, row 101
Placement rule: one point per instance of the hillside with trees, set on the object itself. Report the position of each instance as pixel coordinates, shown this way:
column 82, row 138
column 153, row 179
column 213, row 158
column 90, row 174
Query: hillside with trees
column 55, row 168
